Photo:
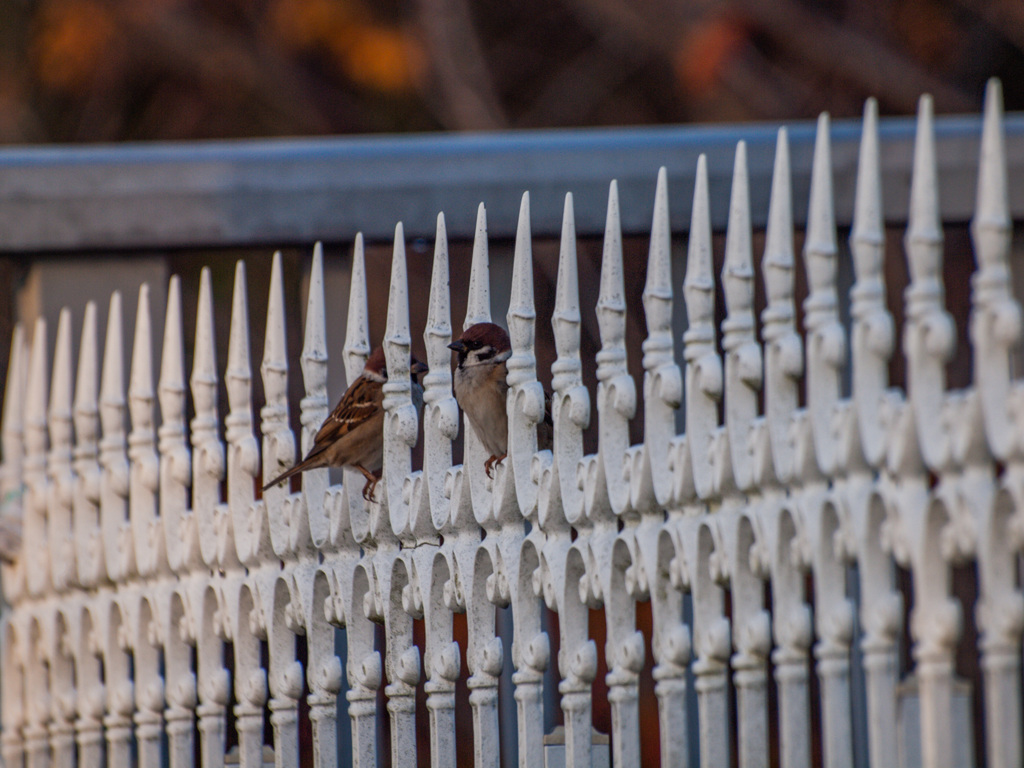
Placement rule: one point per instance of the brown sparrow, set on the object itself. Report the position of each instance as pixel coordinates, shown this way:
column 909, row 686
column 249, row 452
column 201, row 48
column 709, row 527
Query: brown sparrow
column 353, row 434
column 480, row 387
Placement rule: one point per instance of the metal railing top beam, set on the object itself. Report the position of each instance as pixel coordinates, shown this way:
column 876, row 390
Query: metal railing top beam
column 274, row 192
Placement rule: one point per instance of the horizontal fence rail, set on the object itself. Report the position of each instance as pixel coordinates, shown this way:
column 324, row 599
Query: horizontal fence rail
column 162, row 610
column 217, row 194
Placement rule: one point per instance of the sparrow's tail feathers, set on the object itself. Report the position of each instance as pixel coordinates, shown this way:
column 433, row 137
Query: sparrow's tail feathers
column 302, row 466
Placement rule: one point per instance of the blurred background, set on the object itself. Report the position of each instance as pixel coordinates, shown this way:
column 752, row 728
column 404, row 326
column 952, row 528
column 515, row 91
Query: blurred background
column 110, row 71
column 116, row 70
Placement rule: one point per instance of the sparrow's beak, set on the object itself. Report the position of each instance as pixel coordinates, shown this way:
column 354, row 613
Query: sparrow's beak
column 457, row 346
column 416, row 367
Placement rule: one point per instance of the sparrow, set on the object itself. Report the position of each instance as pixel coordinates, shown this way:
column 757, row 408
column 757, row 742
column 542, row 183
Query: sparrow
column 353, row 434
column 480, row 385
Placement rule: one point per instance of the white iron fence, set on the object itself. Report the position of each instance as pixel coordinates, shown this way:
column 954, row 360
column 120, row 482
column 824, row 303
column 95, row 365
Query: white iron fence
column 161, row 608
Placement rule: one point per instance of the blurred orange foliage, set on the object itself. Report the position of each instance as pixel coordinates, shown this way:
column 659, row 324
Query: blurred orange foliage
column 705, row 50
column 372, row 55
column 69, row 42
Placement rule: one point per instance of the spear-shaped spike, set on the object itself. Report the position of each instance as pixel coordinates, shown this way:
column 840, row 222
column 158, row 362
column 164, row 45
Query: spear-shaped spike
column 35, row 399
column 923, row 224
column 993, row 206
column 396, row 333
column 778, row 251
column 867, row 213
column 14, row 391
column 314, row 346
column 12, row 429
column 275, row 354
column 611, row 303
column 478, row 300
column 438, row 333
column 658, row 288
column 140, row 382
column 738, row 269
column 357, row 327
column 521, row 312
column 204, row 360
column 699, row 285
column 172, row 363
column 112, row 381
column 567, row 291
column 821, row 226
column 239, row 368
column 60, row 394
column 85, row 383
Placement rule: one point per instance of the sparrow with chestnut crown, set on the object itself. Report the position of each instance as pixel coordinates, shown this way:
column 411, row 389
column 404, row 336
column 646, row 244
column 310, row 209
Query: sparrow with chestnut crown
column 480, row 386
column 353, row 434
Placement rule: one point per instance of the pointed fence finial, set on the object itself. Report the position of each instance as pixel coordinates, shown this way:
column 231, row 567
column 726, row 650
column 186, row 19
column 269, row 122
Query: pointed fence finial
column 357, row 326
column 663, row 385
column 570, row 406
column 478, row 300
column 60, row 391
column 400, row 421
column 278, row 440
column 616, row 396
column 703, row 365
column 924, row 228
column 738, row 267
column 699, row 283
column 172, row 362
column 527, row 394
column 140, row 384
column 208, row 463
column 86, row 385
column 441, row 412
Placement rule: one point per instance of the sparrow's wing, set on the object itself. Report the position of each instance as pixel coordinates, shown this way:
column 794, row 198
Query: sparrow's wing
column 359, row 403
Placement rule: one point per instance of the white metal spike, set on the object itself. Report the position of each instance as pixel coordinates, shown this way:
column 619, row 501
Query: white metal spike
column 140, row 383
column 357, row 326
column 401, row 423
column 172, row 362
column 868, row 224
column 703, row 365
column 778, row 260
column 992, row 210
column 275, row 352
column 239, row 365
column 662, row 378
column 659, row 259
column 571, row 398
column 86, row 380
column 204, row 359
column 820, row 242
column 699, row 285
column 14, row 390
column 313, row 411
column 60, row 391
column 611, row 302
column 567, row 291
column 441, row 412
column 616, row 398
column 527, row 400
column 112, row 380
column 396, row 334
column 872, row 335
column 478, row 299
column 314, row 348
column 521, row 312
column 923, row 224
column 738, row 268
column 438, row 333
column 36, row 394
